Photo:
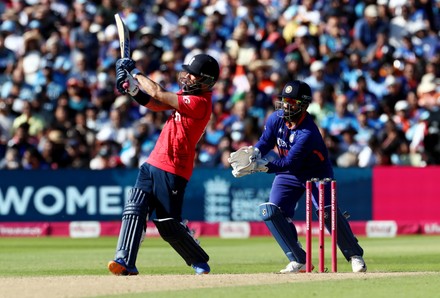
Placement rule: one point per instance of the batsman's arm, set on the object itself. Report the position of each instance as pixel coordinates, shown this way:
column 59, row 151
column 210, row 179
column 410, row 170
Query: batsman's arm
column 141, row 97
column 147, row 101
column 159, row 95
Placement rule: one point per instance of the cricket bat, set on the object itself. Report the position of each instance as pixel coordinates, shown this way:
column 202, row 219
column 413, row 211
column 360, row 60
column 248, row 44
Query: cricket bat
column 124, row 40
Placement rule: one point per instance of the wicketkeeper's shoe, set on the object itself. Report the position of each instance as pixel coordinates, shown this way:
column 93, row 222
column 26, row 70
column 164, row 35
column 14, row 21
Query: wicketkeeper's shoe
column 358, row 264
column 118, row 267
column 201, row 268
column 295, row 267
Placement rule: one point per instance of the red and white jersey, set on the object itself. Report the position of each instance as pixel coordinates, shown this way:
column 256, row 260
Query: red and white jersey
column 175, row 149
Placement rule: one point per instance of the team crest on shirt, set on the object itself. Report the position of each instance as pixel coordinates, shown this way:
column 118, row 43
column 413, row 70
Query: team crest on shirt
column 291, row 138
column 186, row 99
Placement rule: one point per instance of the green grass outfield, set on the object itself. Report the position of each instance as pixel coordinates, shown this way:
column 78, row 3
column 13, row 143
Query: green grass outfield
column 27, row 258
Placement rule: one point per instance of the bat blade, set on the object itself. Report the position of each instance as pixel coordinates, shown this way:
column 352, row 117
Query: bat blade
column 124, row 37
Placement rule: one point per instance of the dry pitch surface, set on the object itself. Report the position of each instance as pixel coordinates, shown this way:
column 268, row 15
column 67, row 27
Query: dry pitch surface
column 89, row 286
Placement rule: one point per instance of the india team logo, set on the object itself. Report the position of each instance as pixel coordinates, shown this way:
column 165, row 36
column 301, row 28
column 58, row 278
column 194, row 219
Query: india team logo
column 291, row 138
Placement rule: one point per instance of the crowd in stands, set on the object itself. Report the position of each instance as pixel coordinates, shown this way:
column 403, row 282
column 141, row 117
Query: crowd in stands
column 373, row 66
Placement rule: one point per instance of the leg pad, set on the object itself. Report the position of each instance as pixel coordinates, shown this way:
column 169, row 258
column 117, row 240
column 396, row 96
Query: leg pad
column 134, row 220
column 283, row 231
column 347, row 242
column 180, row 238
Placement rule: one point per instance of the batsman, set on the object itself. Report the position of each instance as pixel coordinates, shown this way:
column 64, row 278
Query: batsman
column 162, row 178
column 302, row 156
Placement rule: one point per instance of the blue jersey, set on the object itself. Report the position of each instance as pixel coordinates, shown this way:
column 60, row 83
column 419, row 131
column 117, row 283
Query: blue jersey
column 303, row 153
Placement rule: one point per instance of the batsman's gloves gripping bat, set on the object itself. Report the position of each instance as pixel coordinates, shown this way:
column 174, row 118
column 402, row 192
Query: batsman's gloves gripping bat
column 247, row 160
column 125, row 67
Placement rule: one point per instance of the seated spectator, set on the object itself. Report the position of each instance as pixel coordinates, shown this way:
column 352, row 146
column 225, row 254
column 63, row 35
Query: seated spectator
column 367, row 128
column 316, row 78
column 320, row 107
column 11, row 160
column 349, row 149
column 366, row 29
column 340, row 120
column 395, row 93
column 334, row 38
column 7, row 60
column 401, row 115
column 359, row 96
column 393, row 145
column 375, row 80
column 429, row 97
column 34, row 120
column 22, row 140
column 33, row 160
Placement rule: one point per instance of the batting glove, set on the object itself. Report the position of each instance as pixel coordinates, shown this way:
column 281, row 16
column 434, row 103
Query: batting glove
column 125, row 63
column 123, row 67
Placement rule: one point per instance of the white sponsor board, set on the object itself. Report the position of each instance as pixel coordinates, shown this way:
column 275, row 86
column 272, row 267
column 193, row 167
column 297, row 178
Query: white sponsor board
column 431, row 228
column 381, row 228
column 234, row 229
column 84, row 229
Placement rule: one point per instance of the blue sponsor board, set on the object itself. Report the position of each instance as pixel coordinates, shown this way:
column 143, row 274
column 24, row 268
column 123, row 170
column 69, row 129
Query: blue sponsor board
column 212, row 195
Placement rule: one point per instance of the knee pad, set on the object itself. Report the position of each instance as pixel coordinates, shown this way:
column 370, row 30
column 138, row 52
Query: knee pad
column 283, row 231
column 180, row 238
column 134, row 218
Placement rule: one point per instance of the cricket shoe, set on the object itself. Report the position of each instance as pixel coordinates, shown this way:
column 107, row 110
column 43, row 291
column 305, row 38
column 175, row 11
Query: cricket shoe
column 358, row 264
column 118, row 267
column 295, row 267
column 201, row 268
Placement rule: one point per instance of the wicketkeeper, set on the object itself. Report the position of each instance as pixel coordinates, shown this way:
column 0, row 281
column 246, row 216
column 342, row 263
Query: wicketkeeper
column 303, row 156
column 162, row 179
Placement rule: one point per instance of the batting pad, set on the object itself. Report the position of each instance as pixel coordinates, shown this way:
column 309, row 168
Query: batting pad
column 133, row 225
column 180, row 238
column 347, row 242
column 283, row 231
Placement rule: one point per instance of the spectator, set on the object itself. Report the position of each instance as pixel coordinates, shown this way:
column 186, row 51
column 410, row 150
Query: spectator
column 303, row 43
column 350, row 149
column 32, row 160
column 7, row 60
column 393, row 144
column 13, row 39
column 380, row 50
column 335, row 123
column 316, row 78
column 22, row 140
column 334, row 38
column 82, row 40
column 34, row 120
column 366, row 129
column 375, row 80
column 359, row 96
column 240, row 46
column 294, row 67
column 320, row 107
column 11, row 160
column 16, row 87
column 429, row 97
column 366, row 29
column 401, row 116
column 6, row 121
